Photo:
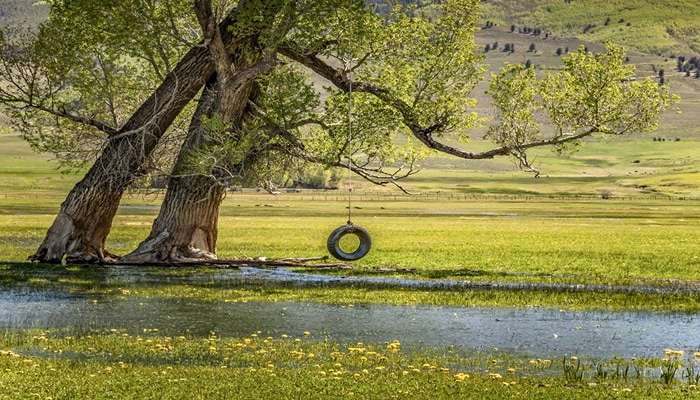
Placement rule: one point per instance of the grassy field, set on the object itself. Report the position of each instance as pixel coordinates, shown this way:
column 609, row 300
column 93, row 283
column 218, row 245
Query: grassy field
column 108, row 365
column 521, row 234
column 480, row 221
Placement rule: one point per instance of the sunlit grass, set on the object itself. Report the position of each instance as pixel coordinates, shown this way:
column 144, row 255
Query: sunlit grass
column 581, row 241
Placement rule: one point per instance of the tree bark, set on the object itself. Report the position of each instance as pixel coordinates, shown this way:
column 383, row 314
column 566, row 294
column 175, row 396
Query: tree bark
column 84, row 220
column 186, row 228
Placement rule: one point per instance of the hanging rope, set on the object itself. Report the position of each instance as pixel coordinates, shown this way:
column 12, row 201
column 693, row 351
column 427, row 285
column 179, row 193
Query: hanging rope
column 350, row 105
column 333, row 243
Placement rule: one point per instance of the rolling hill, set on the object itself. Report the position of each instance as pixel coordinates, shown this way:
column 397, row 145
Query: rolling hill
column 650, row 26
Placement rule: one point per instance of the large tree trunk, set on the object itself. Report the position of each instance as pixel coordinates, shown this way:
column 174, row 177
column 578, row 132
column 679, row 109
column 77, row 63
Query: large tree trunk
column 81, row 227
column 187, row 225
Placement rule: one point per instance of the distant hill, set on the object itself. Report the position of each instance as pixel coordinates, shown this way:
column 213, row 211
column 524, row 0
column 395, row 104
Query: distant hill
column 652, row 26
column 22, row 12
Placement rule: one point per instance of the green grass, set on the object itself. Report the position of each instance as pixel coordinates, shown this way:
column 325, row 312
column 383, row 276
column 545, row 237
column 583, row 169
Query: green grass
column 455, row 233
column 590, row 241
column 108, row 365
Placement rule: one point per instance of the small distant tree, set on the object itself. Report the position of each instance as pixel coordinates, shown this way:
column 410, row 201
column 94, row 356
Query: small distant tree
column 662, row 73
column 566, row 50
column 512, row 28
column 559, row 51
column 494, row 46
column 487, row 48
column 512, row 48
column 607, row 21
column 532, row 48
column 528, row 64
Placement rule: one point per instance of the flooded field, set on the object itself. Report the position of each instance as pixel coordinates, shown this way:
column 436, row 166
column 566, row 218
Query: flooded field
column 531, row 332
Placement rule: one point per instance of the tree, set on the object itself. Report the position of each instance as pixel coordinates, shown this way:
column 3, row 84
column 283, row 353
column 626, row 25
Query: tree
column 406, row 75
column 559, row 51
column 532, row 48
column 186, row 226
column 57, row 69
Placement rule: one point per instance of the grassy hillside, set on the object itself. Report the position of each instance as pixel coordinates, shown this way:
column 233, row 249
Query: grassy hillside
column 682, row 121
column 651, row 26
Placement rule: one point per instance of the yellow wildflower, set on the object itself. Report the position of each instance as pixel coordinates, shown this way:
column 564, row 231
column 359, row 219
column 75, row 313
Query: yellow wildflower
column 461, row 376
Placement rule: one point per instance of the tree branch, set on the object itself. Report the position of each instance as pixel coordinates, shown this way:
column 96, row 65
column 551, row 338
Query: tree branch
column 339, row 79
column 100, row 125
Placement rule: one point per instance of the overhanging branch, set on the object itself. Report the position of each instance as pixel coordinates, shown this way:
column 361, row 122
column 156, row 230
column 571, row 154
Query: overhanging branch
column 425, row 135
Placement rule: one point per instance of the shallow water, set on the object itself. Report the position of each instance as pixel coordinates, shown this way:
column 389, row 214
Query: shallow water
column 531, row 332
column 122, row 275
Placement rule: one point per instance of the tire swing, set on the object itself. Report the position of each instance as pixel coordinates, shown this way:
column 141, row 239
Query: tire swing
column 333, row 243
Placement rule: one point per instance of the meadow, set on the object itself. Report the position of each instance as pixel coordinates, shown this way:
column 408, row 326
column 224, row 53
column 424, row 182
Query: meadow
column 649, row 26
column 485, row 226
column 622, row 213
column 106, row 365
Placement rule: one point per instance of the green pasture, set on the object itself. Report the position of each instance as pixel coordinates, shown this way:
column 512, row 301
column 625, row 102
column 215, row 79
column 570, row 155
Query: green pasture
column 461, row 222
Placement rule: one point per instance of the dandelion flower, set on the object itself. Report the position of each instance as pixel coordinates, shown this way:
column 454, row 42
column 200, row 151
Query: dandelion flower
column 461, row 376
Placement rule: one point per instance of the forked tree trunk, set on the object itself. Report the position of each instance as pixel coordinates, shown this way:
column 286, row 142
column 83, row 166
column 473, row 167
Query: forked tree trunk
column 85, row 218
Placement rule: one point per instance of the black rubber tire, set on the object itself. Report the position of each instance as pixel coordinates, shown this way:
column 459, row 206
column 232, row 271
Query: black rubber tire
column 333, row 242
